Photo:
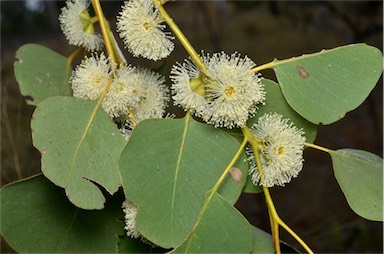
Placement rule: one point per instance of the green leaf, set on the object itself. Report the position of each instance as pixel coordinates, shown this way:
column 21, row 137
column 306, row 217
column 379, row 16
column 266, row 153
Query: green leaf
column 80, row 148
column 168, row 166
column 220, row 229
column 41, row 73
column 36, row 217
column 324, row 86
column 275, row 102
column 360, row 176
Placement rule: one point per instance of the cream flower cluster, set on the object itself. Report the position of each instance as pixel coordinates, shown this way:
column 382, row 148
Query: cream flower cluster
column 141, row 28
column 281, row 154
column 134, row 95
column 130, row 213
column 225, row 95
column 77, row 26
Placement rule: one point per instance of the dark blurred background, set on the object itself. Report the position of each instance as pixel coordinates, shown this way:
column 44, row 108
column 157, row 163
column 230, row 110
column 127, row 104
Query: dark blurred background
column 312, row 204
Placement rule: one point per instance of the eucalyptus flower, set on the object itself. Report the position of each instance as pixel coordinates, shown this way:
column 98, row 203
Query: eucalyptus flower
column 119, row 96
column 224, row 95
column 281, row 154
column 149, row 97
column 90, row 78
column 130, row 213
column 139, row 25
column 232, row 89
column 150, row 94
column 77, row 25
column 186, row 87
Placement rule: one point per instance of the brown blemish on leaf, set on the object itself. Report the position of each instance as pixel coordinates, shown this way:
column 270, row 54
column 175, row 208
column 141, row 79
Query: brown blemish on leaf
column 236, row 174
column 303, row 73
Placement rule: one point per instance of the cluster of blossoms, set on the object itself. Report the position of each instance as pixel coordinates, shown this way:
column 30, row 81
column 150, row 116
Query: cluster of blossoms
column 139, row 25
column 225, row 95
column 281, row 152
column 130, row 213
column 134, row 95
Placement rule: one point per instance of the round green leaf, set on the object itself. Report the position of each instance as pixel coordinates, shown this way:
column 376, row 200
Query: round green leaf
column 80, row 148
column 41, row 73
column 36, row 217
column 360, row 176
column 324, row 86
column 168, row 166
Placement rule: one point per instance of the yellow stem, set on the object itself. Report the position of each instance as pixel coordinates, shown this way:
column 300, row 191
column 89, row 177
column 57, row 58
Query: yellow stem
column 230, row 165
column 292, row 233
column 318, row 147
column 180, row 36
column 218, row 183
column 104, row 30
column 274, row 63
column 269, row 65
column 106, row 89
column 268, row 200
column 70, row 60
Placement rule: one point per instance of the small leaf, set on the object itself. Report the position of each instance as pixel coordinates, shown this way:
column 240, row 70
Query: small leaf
column 220, row 229
column 275, row 102
column 41, row 73
column 324, row 86
column 168, row 166
column 36, row 217
column 360, row 176
column 80, row 148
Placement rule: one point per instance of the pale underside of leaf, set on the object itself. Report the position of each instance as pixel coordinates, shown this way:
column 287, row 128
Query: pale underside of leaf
column 360, row 176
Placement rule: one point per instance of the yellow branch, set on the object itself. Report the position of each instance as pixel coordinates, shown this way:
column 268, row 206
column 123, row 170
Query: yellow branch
column 104, row 30
column 180, row 36
column 230, row 165
column 70, row 60
column 318, row 147
column 217, row 185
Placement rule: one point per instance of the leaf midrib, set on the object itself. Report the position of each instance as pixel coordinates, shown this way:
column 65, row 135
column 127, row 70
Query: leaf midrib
column 86, row 131
column 181, row 150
